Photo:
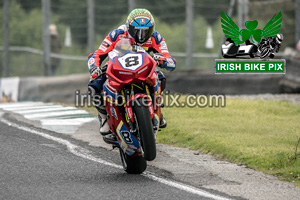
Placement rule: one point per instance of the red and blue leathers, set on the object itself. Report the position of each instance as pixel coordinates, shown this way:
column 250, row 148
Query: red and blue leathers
column 156, row 43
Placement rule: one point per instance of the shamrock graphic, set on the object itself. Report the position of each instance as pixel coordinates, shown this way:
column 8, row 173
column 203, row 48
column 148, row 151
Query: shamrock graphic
column 231, row 30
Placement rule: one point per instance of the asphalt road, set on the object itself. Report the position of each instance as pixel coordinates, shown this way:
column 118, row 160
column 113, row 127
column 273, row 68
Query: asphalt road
column 39, row 164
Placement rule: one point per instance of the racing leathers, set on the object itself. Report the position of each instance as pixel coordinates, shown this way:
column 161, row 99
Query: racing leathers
column 155, row 44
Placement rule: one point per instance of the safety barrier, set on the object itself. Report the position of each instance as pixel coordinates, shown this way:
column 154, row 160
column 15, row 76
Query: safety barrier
column 63, row 88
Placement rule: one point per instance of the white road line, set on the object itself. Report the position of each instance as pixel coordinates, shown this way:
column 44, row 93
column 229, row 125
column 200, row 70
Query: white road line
column 77, row 150
column 184, row 187
column 12, row 105
column 59, row 108
column 57, row 122
column 84, row 153
column 52, row 114
column 31, row 107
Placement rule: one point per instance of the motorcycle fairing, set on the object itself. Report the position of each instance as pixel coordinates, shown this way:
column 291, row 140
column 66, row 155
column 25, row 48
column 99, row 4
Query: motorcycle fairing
column 157, row 86
column 109, row 93
column 122, row 61
column 133, row 74
column 129, row 143
column 113, row 112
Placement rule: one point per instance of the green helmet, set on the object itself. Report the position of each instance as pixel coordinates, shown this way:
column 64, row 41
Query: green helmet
column 140, row 25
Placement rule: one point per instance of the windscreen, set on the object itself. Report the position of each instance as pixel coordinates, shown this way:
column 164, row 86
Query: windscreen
column 123, row 47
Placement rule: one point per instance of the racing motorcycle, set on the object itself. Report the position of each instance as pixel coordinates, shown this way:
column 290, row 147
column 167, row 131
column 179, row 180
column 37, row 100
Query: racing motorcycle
column 132, row 98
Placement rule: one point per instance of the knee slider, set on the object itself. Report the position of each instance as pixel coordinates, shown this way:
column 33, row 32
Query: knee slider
column 91, row 91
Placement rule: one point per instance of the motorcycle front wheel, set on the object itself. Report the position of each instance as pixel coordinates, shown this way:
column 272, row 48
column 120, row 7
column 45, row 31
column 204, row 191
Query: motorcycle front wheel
column 264, row 53
column 133, row 165
column 145, row 129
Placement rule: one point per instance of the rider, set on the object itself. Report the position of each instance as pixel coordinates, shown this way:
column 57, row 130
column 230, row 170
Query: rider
column 139, row 28
column 271, row 43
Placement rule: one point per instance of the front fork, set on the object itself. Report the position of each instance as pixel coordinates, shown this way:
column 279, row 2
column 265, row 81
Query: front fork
column 154, row 110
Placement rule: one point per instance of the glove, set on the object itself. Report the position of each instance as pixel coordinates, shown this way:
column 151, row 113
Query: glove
column 160, row 59
column 95, row 72
column 171, row 64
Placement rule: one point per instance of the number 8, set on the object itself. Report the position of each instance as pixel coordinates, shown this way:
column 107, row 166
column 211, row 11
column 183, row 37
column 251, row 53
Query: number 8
column 131, row 61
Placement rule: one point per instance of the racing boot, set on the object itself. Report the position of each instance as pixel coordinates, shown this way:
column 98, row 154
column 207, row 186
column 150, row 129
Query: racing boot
column 108, row 137
column 104, row 126
column 163, row 122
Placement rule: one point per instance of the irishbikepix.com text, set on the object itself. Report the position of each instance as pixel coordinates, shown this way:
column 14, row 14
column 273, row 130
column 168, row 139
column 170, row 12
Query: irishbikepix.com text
column 165, row 100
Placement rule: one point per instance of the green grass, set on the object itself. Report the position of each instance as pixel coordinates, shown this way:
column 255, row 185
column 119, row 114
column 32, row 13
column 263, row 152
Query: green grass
column 260, row 134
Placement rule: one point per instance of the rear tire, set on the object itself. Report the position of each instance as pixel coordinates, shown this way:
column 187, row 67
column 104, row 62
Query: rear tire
column 133, row 165
column 253, row 51
column 145, row 128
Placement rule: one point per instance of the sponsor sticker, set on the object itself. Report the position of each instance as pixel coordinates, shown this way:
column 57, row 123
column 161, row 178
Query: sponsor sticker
column 123, row 37
column 91, row 61
column 107, row 41
column 103, row 48
column 113, row 112
column 170, row 60
column 105, row 44
column 163, row 45
column 112, row 54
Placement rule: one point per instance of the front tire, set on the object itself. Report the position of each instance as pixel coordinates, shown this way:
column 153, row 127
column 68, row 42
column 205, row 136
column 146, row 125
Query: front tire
column 264, row 53
column 145, row 128
column 133, row 165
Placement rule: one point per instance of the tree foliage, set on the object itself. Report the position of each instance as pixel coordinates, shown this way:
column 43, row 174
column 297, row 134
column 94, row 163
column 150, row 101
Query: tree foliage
column 25, row 27
column 26, row 20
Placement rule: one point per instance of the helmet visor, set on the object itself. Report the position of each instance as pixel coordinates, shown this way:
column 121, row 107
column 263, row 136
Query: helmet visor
column 278, row 40
column 140, row 34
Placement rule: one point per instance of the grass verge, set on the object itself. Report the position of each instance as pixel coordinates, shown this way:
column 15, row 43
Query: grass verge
column 263, row 135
